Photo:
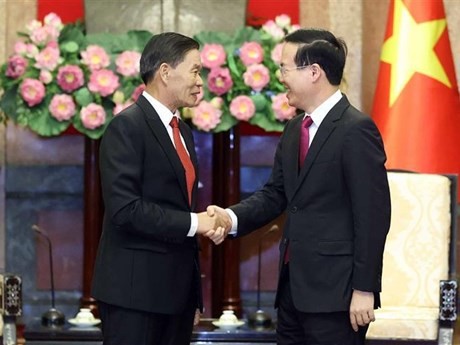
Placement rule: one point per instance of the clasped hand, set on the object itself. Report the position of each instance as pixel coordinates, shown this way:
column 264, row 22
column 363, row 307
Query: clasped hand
column 215, row 224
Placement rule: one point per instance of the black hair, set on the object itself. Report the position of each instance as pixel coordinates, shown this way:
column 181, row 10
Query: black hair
column 167, row 47
column 321, row 47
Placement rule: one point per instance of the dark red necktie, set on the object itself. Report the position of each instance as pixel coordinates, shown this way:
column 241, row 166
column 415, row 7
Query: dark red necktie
column 304, row 139
column 304, row 144
column 184, row 157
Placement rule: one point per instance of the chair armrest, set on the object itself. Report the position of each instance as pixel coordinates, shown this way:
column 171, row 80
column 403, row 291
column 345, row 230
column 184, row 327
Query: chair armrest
column 448, row 300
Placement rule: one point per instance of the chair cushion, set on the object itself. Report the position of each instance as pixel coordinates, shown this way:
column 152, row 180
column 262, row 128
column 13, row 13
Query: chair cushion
column 416, row 257
column 405, row 323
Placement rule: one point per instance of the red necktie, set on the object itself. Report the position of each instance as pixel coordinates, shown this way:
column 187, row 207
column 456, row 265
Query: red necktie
column 184, row 157
column 303, row 150
column 304, row 139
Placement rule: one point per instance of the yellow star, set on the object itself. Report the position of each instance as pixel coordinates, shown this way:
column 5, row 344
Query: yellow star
column 411, row 49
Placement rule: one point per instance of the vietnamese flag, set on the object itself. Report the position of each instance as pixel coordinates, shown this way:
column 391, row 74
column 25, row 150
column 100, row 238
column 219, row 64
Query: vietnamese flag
column 416, row 104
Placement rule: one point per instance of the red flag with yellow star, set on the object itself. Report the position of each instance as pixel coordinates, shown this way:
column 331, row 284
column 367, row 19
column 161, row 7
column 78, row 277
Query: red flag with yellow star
column 416, row 104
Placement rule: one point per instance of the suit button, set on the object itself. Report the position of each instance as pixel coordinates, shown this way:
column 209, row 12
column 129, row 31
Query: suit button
column 294, row 209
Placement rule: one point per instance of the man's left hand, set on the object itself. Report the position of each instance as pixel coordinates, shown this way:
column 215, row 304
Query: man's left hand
column 361, row 309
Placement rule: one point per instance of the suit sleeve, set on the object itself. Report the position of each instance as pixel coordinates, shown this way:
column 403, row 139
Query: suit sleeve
column 121, row 165
column 366, row 178
column 266, row 204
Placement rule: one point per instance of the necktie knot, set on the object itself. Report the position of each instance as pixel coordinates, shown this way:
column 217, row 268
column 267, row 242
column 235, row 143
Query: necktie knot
column 174, row 123
column 307, row 121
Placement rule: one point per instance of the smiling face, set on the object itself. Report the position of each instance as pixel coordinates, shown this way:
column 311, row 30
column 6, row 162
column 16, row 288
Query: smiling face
column 295, row 79
column 184, row 81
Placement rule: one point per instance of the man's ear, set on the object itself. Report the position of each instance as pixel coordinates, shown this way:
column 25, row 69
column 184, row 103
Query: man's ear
column 164, row 72
column 315, row 71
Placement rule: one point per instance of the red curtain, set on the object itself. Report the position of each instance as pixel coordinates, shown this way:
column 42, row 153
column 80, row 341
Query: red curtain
column 259, row 11
column 69, row 10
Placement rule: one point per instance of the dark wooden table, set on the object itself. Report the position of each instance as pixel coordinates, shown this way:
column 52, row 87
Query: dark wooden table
column 36, row 334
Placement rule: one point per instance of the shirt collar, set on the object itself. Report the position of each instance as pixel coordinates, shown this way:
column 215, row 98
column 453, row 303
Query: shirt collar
column 320, row 112
column 163, row 112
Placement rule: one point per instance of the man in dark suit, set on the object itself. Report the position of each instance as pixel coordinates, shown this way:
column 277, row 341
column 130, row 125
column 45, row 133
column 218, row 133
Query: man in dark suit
column 147, row 276
column 330, row 179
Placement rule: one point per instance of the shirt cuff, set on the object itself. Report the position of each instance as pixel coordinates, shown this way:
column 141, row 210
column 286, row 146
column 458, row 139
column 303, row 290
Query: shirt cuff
column 234, row 229
column 193, row 225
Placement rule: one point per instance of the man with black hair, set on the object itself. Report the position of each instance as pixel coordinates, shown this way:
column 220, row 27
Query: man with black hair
column 147, row 275
column 329, row 177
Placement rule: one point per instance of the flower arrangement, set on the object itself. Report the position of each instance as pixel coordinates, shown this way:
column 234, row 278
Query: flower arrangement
column 242, row 78
column 58, row 76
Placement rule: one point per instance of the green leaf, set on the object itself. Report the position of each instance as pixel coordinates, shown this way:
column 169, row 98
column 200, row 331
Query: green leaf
column 245, row 34
column 41, row 122
column 263, row 121
column 83, row 96
column 8, row 102
column 213, row 37
column 260, row 102
column 70, row 47
column 138, row 39
column 73, row 33
column 227, row 122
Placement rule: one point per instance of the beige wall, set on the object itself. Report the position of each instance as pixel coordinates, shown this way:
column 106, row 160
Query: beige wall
column 14, row 14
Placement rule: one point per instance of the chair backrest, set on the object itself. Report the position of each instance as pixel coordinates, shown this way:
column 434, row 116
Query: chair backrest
column 417, row 249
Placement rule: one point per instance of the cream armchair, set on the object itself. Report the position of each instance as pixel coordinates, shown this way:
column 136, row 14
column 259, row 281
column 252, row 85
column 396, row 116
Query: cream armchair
column 419, row 258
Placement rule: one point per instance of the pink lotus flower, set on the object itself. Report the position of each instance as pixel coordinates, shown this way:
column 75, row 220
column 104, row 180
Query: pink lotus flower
column 121, row 106
column 45, row 76
column 53, row 20
column 217, row 102
column 280, row 105
column 95, row 57
column 32, row 50
column 219, row 81
column 92, row 116
column 62, row 107
column 243, row 108
column 20, row 48
column 44, row 34
column 48, row 59
column 118, row 97
column 251, row 53
column 205, row 116
column 70, row 78
column 283, row 20
column 17, row 65
column 137, row 92
column 293, row 28
column 103, row 81
column 257, row 77
column 273, row 30
column 33, row 25
column 32, row 91
column 276, row 53
column 128, row 63
column 213, row 55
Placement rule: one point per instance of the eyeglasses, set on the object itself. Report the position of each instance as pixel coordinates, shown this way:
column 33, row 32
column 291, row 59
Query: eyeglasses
column 284, row 69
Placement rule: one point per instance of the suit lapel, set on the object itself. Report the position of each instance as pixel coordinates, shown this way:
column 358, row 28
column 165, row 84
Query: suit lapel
column 159, row 130
column 292, row 139
column 326, row 128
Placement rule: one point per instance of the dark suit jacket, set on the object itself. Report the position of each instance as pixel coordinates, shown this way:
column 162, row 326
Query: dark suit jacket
column 145, row 260
column 338, row 209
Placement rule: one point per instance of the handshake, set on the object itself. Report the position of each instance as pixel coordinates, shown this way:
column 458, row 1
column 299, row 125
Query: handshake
column 215, row 224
